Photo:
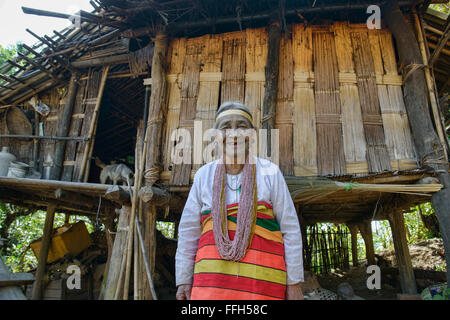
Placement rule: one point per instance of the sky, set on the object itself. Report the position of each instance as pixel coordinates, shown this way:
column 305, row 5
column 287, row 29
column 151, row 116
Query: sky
column 13, row 21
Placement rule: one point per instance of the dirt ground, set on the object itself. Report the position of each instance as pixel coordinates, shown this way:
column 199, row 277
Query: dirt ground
column 428, row 262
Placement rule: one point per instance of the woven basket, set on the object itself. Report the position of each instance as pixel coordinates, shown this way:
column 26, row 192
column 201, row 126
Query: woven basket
column 17, row 122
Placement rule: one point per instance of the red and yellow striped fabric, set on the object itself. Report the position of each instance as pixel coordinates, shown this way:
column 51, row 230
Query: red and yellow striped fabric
column 260, row 275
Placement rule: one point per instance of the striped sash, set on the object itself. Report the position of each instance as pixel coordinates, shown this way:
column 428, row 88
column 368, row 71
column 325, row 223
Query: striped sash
column 260, row 275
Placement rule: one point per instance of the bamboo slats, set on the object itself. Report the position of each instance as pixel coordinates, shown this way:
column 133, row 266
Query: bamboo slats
column 208, row 95
column 330, row 151
column 188, row 107
column 285, row 106
column 377, row 155
column 352, row 125
column 177, row 53
column 256, row 57
column 305, row 150
column 233, row 68
column 340, row 108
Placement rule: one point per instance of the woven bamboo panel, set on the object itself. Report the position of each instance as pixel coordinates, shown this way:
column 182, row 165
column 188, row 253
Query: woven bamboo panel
column 285, row 106
column 304, row 138
column 395, row 120
column 377, row 153
column 330, row 146
column 233, row 68
column 208, row 95
column 352, row 125
column 177, row 53
column 188, row 104
column 256, row 57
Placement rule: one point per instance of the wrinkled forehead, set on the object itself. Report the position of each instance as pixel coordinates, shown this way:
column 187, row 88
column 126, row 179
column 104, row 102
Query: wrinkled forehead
column 233, row 119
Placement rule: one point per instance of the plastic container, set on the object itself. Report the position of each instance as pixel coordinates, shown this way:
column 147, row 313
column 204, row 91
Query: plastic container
column 17, row 169
column 69, row 239
column 5, row 160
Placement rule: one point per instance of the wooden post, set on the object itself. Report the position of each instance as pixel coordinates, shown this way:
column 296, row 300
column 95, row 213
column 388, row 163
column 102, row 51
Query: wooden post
column 366, row 231
column 157, row 110
column 157, row 107
column 63, row 128
column 271, row 85
column 405, row 268
column 117, row 256
column 354, row 234
column 43, row 252
column 428, row 147
column 430, row 83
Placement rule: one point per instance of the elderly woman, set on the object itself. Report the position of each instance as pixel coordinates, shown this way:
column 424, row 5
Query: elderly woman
column 239, row 235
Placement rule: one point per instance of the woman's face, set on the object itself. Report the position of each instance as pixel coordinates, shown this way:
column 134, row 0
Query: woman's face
column 234, row 129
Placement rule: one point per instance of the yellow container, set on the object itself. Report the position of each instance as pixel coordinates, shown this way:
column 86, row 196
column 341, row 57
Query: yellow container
column 69, row 239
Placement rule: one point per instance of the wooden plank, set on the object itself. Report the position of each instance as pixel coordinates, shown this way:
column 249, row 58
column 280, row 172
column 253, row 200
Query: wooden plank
column 16, row 279
column 377, row 154
column 352, row 124
column 304, row 135
column 330, row 147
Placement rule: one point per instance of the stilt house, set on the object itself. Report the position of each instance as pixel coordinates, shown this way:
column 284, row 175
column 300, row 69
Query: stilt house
column 353, row 88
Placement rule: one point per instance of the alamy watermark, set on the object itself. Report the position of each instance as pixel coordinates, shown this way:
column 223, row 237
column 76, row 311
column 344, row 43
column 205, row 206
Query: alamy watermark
column 374, row 280
column 74, row 280
column 374, row 21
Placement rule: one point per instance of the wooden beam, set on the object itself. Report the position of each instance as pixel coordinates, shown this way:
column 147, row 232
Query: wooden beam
column 63, row 128
column 111, row 60
column 354, row 238
column 429, row 149
column 43, row 252
column 30, row 136
column 271, row 85
column 365, row 228
column 16, row 279
column 118, row 194
column 441, row 44
column 430, row 84
column 407, row 278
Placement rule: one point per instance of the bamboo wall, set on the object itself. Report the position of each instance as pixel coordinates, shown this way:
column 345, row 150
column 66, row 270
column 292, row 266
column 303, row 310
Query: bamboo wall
column 340, row 108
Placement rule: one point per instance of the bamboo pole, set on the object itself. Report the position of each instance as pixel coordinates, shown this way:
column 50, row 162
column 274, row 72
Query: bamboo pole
column 87, row 148
column 429, row 81
column 43, row 252
column 64, row 127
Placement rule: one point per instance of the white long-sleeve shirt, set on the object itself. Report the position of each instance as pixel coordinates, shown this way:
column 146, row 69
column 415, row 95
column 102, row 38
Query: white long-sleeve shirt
column 272, row 189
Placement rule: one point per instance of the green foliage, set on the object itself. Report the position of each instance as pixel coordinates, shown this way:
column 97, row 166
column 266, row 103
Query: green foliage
column 166, row 228
column 445, row 8
column 23, row 231
column 9, row 53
